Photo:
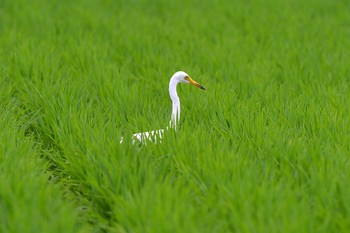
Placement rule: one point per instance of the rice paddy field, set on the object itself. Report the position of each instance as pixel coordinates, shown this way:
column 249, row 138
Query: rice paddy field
column 264, row 149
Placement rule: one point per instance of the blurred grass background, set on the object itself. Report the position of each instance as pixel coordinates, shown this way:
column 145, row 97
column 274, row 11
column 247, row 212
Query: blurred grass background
column 264, row 149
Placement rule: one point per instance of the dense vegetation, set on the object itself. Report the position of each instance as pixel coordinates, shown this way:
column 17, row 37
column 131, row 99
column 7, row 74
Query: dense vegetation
column 264, row 149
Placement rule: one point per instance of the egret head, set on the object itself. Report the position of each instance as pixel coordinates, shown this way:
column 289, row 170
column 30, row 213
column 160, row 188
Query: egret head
column 182, row 77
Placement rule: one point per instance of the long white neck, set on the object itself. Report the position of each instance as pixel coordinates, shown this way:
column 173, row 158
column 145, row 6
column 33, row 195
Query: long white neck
column 175, row 115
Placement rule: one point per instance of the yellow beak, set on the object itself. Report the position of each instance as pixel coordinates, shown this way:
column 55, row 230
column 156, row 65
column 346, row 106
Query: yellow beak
column 194, row 83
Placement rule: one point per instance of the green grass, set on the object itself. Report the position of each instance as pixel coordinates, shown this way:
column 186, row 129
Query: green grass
column 264, row 149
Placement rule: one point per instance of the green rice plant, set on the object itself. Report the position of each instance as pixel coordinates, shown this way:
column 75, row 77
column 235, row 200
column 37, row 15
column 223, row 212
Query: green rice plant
column 30, row 199
column 264, row 149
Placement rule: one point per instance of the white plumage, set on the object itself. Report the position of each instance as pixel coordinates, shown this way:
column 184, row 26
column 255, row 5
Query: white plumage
column 156, row 135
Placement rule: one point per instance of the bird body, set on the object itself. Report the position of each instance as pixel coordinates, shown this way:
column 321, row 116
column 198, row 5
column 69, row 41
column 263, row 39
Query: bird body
column 157, row 135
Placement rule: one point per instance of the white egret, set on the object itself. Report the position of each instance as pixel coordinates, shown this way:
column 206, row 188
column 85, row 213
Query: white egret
column 154, row 135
